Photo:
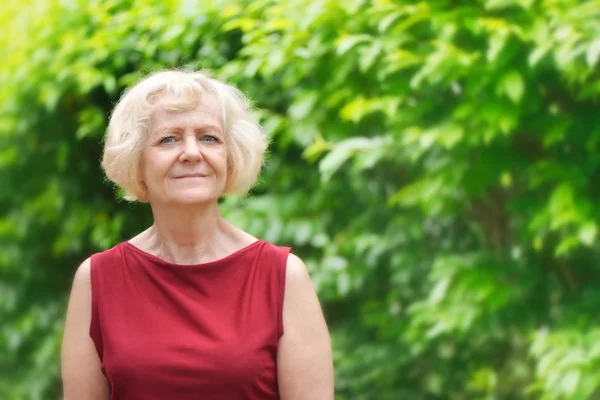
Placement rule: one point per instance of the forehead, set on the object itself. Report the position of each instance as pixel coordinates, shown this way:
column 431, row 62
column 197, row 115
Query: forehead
column 166, row 114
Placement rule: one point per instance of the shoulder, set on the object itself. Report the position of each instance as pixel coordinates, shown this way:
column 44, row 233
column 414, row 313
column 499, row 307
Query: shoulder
column 294, row 266
column 89, row 271
column 296, row 272
column 82, row 278
column 105, row 257
column 304, row 360
column 298, row 284
column 80, row 365
column 271, row 252
column 80, row 297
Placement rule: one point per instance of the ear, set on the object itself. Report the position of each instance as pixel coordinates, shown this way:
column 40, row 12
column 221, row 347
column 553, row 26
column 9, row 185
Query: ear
column 143, row 195
column 143, row 188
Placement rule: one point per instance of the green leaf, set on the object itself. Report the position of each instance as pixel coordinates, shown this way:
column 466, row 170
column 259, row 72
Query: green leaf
column 369, row 55
column 569, row 382
column 537, row 54
column 496, row 44
column 387, row 21
column 593, row 53
column 316, row 149
column 303, row 105
column 343, row 151
column 588, row 233
column 512, row 84
column 450, row 135
column 348, row 42
column 439, row 291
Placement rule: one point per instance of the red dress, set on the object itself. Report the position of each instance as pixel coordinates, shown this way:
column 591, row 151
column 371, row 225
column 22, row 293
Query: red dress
column 187, row 332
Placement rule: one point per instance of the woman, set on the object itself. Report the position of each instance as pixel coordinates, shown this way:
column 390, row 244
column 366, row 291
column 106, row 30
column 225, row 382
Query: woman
column 193, row 307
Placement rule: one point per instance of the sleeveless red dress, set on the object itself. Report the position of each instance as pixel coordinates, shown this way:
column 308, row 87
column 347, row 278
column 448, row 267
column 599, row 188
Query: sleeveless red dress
column 187, row 332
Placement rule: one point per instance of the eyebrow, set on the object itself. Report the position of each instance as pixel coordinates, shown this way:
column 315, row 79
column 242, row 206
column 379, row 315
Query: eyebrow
column 202, row 128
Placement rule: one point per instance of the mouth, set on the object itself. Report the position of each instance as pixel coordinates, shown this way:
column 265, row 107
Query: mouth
column 191, row 176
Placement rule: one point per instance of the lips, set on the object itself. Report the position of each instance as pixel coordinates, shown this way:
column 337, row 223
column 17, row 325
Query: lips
column 191, row 176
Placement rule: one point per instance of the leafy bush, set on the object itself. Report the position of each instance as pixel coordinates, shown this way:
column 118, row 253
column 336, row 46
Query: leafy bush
column 432, row 161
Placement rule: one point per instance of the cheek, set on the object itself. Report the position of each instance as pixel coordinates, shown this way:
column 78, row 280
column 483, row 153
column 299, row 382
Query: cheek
column 141, row 173
column 151, row 167
column 228, row 167
column 225, row 162
column 146, row 168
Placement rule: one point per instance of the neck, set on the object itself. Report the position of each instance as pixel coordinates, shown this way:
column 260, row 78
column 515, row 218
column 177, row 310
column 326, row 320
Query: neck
column 187, row 235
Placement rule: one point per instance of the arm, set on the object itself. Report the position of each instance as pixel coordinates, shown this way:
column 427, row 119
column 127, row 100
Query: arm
column 81, row 374
column 304, row 360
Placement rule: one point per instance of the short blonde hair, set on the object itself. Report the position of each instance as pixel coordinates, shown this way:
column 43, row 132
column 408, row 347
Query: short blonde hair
column 130, row 126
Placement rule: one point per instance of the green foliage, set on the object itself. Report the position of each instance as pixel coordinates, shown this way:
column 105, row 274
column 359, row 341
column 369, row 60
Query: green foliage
column 433, row 162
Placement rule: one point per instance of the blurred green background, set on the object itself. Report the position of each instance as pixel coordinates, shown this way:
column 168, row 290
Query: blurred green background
column 433, row 162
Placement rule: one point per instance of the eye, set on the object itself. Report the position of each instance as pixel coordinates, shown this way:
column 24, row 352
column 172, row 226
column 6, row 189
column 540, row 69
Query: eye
column 167, row 140
column 209, row 138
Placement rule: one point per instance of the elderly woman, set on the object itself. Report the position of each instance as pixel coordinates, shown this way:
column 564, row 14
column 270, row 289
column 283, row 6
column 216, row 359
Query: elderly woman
column 193, row 307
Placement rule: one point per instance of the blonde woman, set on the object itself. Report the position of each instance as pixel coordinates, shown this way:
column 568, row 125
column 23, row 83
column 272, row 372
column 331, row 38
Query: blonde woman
column 193, row 307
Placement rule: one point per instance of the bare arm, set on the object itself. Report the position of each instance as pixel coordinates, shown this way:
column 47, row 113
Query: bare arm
column 304, row 361
column 81, row 374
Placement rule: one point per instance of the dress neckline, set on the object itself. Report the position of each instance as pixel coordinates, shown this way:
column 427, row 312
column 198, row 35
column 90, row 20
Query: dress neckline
column 159, row 260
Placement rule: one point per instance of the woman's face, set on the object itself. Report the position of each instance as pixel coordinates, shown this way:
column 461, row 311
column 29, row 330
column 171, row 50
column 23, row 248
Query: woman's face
column 185, row 158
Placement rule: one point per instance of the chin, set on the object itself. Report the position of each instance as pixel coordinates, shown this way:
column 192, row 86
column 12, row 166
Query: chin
column 194, row 197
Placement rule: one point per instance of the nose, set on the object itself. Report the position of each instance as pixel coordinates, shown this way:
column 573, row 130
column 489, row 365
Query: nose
column 191, row 150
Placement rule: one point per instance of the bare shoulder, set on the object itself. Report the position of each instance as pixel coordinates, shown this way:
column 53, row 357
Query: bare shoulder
column 83, row 275
column 300, row 302
column 79, row 308
column 80, row 365
column 299, row 292
column 81, row 289
column 304, row 361
column 296, row 271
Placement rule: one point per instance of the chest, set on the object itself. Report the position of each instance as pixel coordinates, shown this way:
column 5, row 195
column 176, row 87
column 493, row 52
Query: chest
column 161, row 359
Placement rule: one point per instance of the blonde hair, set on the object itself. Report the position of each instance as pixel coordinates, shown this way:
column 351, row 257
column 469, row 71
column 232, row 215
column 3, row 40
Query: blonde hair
column 130, row 126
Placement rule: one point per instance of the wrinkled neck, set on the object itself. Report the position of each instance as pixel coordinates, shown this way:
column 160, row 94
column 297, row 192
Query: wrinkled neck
column 188, row 235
